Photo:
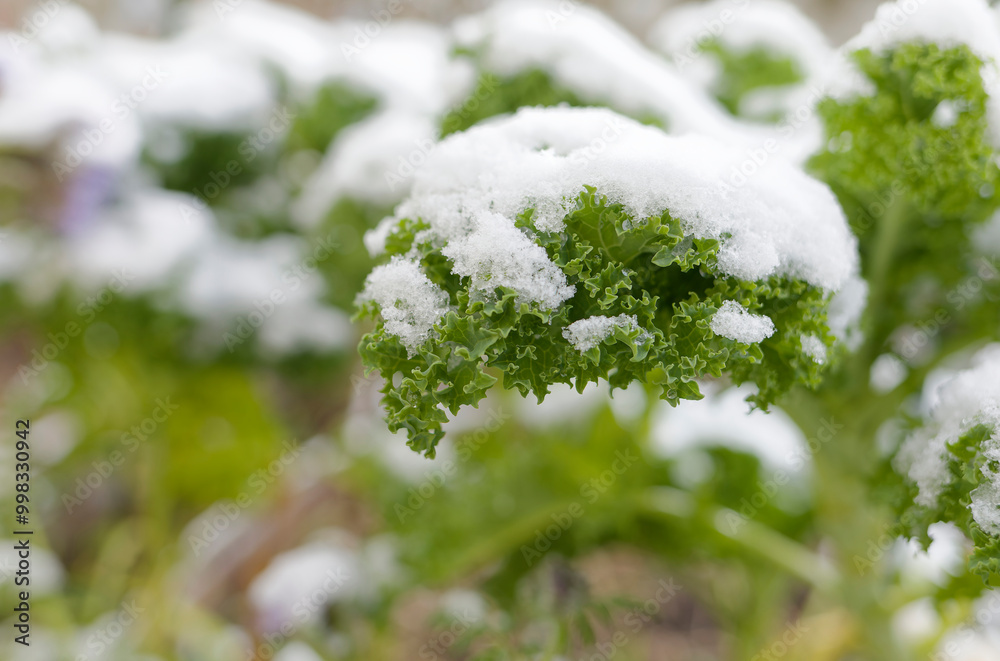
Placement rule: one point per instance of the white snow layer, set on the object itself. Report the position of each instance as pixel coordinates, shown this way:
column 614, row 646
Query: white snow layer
column 969, row 398
column 733, row 321
column 775, row 26
column 586, row 334
column 584, row 51
column 724, row 418
column 813, row 347
column 474, row 184
column 408, row 301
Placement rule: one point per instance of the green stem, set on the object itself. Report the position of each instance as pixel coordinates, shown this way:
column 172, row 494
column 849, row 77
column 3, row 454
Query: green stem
column 753, row 536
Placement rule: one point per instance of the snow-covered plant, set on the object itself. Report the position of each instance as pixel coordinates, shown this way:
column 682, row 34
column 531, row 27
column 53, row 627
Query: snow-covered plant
column 910, row 151
column 571, row 245
column 754, row 57
column 952, row 462
column 546, row 53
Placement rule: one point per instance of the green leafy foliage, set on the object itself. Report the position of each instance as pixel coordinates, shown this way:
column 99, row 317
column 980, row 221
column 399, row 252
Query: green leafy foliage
column 744, row 72
column 335, row 106
column 646, row 268
column 499, row 95
column 966, row 461
column 913, row 183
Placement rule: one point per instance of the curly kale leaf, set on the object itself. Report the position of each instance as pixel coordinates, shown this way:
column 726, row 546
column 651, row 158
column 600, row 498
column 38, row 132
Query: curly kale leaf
column 748, row 71
column 914, row 170
column 643, row 268
column 966, row 462
column 499, row 95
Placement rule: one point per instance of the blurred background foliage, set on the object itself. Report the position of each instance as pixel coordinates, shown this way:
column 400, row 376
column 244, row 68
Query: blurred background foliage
column 194, row 488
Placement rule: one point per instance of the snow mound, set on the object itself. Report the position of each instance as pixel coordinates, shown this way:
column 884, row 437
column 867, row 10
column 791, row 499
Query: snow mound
column 779, row 221
column 733, row 321
column 970, row 398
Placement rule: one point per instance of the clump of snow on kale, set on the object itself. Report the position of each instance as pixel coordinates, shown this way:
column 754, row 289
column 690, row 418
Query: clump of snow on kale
column 475, row 184
column 733, row 321
column 947, row 23
column 586, row 334
column 497, row 254
column 813, row 347
column 970, row 398
column 408, row 301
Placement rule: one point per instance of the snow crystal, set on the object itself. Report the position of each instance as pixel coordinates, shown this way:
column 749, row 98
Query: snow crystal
column 408, row 301
column 813, row 347
column 985, row 504
column 969, row 398
column 779, row 221
column 733, row 321
column 586, row 334
column 497, row 254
